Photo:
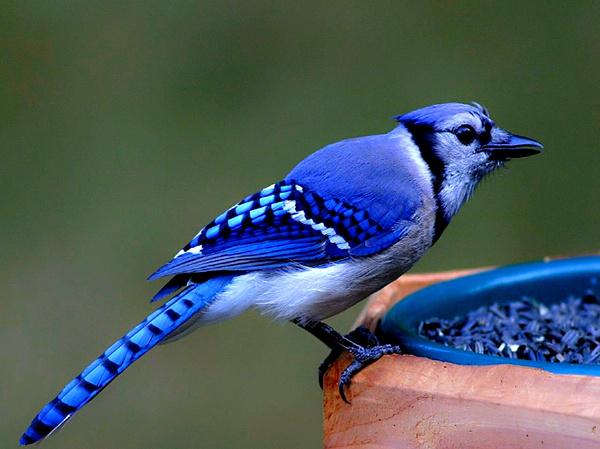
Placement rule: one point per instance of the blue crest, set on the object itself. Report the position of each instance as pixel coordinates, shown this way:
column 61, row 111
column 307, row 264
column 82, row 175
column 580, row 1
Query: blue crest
column 430, row 115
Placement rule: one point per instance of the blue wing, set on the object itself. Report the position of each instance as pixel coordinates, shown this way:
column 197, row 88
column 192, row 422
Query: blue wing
column 281, row 225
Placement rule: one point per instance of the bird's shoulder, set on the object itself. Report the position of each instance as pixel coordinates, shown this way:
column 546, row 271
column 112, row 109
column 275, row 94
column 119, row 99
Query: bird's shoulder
column 382, row 174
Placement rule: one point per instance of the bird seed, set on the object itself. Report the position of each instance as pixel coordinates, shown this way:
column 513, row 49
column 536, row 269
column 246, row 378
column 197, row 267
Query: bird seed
column 565, row 332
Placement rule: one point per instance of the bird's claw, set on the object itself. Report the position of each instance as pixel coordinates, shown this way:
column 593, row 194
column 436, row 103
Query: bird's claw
column 363, row 357
column 367, row 349
column 361, row 336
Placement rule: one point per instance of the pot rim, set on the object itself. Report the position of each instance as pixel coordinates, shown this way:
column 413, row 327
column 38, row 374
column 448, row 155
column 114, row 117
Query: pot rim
column 554, row 280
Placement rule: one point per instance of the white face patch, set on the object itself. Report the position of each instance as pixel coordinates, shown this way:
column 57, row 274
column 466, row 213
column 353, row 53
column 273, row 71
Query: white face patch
column 464, row 165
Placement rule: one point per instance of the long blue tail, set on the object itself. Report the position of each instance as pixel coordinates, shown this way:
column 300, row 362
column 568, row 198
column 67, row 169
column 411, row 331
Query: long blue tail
column 102, row 371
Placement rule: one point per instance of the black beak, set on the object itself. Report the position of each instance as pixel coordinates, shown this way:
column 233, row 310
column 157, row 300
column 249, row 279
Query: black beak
column 512, row 146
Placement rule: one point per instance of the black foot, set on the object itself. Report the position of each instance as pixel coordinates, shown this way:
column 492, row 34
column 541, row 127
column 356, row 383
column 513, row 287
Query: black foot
column 361, row 336
column 361, row 343
column 363, row 357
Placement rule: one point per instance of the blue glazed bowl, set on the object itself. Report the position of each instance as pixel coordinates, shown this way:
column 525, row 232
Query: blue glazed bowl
column 547, row 282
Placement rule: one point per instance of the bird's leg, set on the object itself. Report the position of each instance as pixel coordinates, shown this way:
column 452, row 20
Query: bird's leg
column 361, row 336
column 334, row 340
column 361, row 343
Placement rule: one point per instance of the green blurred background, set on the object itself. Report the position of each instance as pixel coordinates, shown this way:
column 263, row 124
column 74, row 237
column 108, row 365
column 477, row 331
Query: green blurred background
column 126, row 127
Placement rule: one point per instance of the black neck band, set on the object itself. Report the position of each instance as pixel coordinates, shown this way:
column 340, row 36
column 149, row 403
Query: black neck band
column 422, row 137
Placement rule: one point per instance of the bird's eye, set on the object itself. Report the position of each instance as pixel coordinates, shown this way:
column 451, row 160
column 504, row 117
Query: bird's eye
column 465, row 134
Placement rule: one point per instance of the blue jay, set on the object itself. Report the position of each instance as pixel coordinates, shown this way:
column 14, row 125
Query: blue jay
column 345, row 222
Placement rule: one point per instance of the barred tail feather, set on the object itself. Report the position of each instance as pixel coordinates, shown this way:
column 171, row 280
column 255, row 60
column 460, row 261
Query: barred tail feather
column 118, row 357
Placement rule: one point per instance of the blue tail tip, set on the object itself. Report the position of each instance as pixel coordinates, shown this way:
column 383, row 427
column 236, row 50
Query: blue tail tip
column 26, row 440
column 36, row 432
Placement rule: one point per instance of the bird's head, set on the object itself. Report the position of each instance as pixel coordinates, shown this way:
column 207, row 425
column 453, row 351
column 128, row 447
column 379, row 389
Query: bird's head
column 461, row 144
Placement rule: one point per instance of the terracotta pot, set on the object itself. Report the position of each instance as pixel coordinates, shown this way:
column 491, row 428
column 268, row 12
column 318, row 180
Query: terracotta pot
column 416, row 402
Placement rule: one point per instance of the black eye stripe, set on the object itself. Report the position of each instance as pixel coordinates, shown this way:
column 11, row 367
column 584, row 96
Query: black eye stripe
column 486, row 136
